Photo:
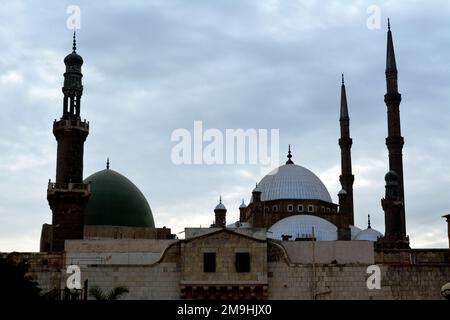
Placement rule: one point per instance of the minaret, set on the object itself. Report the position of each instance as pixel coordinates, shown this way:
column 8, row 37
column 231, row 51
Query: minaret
column 242, row 209
column 346, row 178
column 392, row 204
column 394, row 141
column 257, row 210
column 220, row 215
column 68, row 196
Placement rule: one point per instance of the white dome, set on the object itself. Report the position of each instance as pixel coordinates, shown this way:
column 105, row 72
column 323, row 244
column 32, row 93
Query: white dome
column 291, row 181
column 354, row 231
column 368, row 234
column 299, row 226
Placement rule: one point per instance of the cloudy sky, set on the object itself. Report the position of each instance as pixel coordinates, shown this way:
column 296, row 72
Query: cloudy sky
column 152, row 67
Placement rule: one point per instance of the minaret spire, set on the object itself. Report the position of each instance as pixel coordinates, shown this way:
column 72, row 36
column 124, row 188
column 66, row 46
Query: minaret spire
column 346, row 178
column 74, row 47
column 391, row 64
column 289, row 155
column 394, row 213
column 344, row 107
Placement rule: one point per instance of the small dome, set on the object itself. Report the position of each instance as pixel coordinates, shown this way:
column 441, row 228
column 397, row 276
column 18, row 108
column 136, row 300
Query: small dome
column 354, row 231
column 292, row 181
column 116, row 201
column 300, row 226
column 243, row 205
column 342, row 192
column 256, row 189
column 73, row 58
column 368, row 234
column 220, row 205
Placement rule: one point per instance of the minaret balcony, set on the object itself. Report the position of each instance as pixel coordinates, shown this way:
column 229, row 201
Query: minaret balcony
column 67, row 124
column 63, row 187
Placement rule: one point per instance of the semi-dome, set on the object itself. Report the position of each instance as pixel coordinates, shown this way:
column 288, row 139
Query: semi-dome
column 354, row 230
column 292, row 181
column 116, row 201
column 301, row 226
column 368, row 234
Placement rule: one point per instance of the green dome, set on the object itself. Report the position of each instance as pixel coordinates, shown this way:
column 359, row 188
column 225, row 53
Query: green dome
column 116, row 201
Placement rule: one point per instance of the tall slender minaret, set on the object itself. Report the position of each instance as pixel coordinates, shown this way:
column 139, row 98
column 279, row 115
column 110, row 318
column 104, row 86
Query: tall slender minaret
column 394, row 140
column 68, row 196
column 346, row 178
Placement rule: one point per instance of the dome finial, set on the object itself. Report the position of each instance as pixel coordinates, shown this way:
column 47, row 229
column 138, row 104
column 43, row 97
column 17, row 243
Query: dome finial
column 289, row 156
column 342, row 78
column 107, row 163
column 220, row 199
column 389, row 25
column 74, row 48
column 368, row 222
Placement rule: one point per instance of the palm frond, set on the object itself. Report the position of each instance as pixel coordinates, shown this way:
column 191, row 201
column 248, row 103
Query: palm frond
column 117, row 292
column 97, row 293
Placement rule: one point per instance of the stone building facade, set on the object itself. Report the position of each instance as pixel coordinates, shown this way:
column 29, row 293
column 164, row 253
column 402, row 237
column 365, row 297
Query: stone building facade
column 174, row 269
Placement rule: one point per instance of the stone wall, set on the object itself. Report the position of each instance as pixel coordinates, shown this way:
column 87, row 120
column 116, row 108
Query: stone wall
column 45, row 268
column 154, row 282
column 158, row 281
column 328, row 252
column 120, row 232
column 349, row 282
column 115, row 252
column 280, row 273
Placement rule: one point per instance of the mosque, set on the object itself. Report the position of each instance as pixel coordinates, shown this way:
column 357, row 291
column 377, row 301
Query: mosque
column 291, row 240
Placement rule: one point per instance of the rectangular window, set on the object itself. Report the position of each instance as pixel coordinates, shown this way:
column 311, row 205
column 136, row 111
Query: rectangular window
column 300, row 208
column 209, row 262
column 290, row 208
column 310, row 208
column 242, row 262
